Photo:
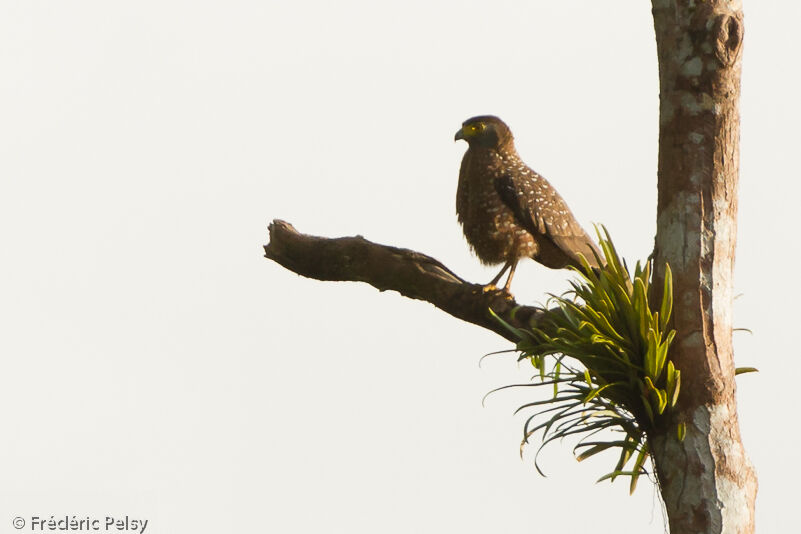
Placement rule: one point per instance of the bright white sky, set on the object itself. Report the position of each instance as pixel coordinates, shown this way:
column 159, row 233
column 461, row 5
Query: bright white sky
column 155, row 365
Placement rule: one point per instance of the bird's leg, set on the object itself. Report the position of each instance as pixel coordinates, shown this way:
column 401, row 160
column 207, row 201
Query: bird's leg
column 494, row 281
column 513, row 266
column 493, row 284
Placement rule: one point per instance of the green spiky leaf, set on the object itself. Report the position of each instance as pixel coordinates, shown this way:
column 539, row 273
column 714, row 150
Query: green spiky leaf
column 667, row 299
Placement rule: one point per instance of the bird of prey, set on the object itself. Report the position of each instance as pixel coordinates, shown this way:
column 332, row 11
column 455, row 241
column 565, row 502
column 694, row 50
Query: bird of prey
column 508, row 211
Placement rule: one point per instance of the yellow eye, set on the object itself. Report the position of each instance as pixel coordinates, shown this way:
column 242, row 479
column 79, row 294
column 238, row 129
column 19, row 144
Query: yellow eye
column 477, row 127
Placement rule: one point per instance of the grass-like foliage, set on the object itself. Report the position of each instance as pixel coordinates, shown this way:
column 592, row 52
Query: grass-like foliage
column 603, row 348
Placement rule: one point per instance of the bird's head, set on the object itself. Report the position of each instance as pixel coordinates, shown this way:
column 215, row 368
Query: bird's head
column 486, row 131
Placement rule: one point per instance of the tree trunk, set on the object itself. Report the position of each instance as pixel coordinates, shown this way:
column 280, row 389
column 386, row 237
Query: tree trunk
column 707, row 482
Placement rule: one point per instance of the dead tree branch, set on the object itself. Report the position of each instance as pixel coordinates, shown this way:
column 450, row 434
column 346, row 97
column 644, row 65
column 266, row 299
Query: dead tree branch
column 412, row 274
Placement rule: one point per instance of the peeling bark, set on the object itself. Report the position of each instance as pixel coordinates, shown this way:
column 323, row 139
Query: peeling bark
column 707, row 482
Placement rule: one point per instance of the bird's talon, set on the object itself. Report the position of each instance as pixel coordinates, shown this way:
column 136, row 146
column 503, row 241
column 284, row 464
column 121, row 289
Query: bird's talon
column 502, row 291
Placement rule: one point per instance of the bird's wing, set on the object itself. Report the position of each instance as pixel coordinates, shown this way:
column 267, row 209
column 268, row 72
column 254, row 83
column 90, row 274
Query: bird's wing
column 542, row 211
column 463, row 189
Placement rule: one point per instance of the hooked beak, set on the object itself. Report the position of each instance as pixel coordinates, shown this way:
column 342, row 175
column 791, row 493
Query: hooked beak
column 459, row 134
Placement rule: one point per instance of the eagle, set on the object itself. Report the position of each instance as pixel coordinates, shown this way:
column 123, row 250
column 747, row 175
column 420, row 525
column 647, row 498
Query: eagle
column 508, row 211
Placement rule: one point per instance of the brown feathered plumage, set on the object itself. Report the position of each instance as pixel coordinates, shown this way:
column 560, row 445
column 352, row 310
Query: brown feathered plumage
column 508, row 211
